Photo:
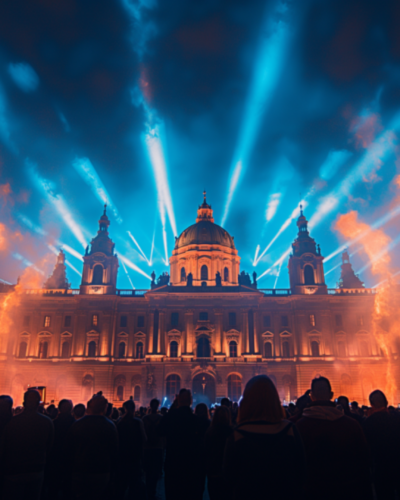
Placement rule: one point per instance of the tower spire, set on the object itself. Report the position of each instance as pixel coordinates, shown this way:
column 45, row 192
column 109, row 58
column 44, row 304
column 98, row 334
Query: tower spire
column 205, row 213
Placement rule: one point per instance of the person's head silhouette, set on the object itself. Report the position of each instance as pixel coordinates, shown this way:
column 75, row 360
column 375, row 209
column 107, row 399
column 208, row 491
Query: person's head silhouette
column 31, row 400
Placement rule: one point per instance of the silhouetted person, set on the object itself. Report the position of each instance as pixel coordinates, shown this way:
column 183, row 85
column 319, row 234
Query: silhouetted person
column 79, row 411
column 184, row 433
column 264, row 456
column 57, row 477
column 214, row 442
column 343, row 401
column 382, row 432
column 93, row 447
column 154, row 449
column 6, row 404
column 132, row 439
column 26, row 442
column 336, row 449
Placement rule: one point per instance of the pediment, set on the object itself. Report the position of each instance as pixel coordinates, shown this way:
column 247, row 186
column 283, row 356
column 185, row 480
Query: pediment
column 174, row 332
column 267, row 333
column 140, row 334
column 362, row 332
column 66, row 334
column 340, row 332
column 202, row 328
column 92, row 333
column 122, row 334
column 44, row 334
column 314, row 332
column 232, row 331
column 25, row 334
column 285, row 333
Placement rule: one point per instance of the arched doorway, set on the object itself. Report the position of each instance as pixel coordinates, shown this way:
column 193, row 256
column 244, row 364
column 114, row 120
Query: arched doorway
column 203, row 389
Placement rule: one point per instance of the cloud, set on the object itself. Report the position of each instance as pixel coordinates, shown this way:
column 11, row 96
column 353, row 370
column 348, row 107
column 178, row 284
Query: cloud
column 24, row 76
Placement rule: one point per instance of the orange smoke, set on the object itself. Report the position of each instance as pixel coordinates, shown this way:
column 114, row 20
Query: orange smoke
column 385, row 326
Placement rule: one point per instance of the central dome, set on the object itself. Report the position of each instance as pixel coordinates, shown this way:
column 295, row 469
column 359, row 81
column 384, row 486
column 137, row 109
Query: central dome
column 204, row 232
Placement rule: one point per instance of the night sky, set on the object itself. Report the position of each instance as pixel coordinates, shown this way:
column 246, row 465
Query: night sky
column 145, row 104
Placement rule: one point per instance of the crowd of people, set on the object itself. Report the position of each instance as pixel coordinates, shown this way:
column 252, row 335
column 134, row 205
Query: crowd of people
column 320, row 448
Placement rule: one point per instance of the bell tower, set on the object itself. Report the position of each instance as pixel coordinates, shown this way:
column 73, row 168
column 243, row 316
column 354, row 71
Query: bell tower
column 58, row 279
column 306, row 269
column 100, row 264
column 348, row 278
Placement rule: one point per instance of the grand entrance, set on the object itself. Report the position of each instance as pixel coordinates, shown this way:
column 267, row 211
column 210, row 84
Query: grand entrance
column 203, row 389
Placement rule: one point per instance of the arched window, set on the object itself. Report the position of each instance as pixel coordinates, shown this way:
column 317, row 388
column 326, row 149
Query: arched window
column 43, row 348
column 121, row 350
column 364, row 349
column 341, row 348
column 139, row 350
column 232, row 349
column 173, row 349
column 92, row 349
column 203, row 347
column 120, row 393
column 173, row 386
column 285, row 349
column 23, row 347
column 204, row 273
column 136, row 393
column 314, row 348
column 234, row 387
column 268, row 350
column 226, row 274
column 97, row 275
column 309, row 275
column 65, row 352
column 183, row 274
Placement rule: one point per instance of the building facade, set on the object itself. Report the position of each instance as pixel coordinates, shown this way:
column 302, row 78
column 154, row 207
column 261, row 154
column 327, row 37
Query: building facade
column 206, row 326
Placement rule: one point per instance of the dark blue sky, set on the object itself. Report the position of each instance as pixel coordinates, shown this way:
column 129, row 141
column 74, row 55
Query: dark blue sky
column 147, row 103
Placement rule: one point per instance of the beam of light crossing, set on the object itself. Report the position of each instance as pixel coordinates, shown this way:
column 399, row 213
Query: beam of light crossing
column 374, row 155
column 47, row 187
column 340, row 263
column 26, row 262
column 152, row 249
column 385, row 280
column 334, row 161
column 278, row 274
column 86, row 170
column 285, row 225
column 56, row 252
column 267, row 71
column 381, row 254
column 277, row 263
column 139, row 247
column 5, row 282
column 376, row 225
column 127, row 274
column 133, row 266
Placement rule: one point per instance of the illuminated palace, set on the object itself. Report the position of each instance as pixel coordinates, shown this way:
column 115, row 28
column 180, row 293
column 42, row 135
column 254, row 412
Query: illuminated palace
column 205, row 326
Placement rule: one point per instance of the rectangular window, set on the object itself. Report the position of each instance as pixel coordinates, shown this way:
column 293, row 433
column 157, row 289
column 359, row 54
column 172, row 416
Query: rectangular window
column 67, row 320
column 95, row 319
column 285, row 320
column 123, row 321
column 46, row 322
column 174, row 319
column 140, row 321
column 338, row 320
column 267, row 321
column 27, row 320
column 312, row 320
column 232, row 319
column 203, row 316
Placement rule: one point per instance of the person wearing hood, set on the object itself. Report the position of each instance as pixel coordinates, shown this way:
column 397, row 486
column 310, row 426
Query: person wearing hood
column 336, row 449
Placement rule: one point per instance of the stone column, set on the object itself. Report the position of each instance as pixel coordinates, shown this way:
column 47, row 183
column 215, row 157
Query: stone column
column 79, row 334
column 219, row 341
column 156, row 331
column 161, row 333
column 189, row 332
column 150, row 334
column 256, row 333
column 56, row 341
column 245, row 330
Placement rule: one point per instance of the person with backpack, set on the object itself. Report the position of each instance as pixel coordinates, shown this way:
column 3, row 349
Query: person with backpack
column 264, row 456
column 154, row 449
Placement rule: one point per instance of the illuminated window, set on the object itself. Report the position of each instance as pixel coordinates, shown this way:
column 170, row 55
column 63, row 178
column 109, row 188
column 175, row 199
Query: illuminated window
column 173, row 387
column 43, row 349
column 268, row 350
column 139, row 350
column 232, row 319
column 309, row 275
column 23, row 347
column 97, row 275
column 183, row 274
column 173, row 349
column 312, row 320
column 136, row 393
column 120, row 393
column 140, row 321
column 204, row 273
column 314, row 348
column 284, row 320
column 267, row 321
column 47, row 320
column 95, row 319
column 234, row 387
column 92, row 349
column 174, row 319
column 203, row 316
column 27, row 320
column 67, row 320
column 123, row 321
column 65, row 351
column 285, row 349
column 121, row 349
column 226, row 274
column 338, row 320
column 232, row 349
